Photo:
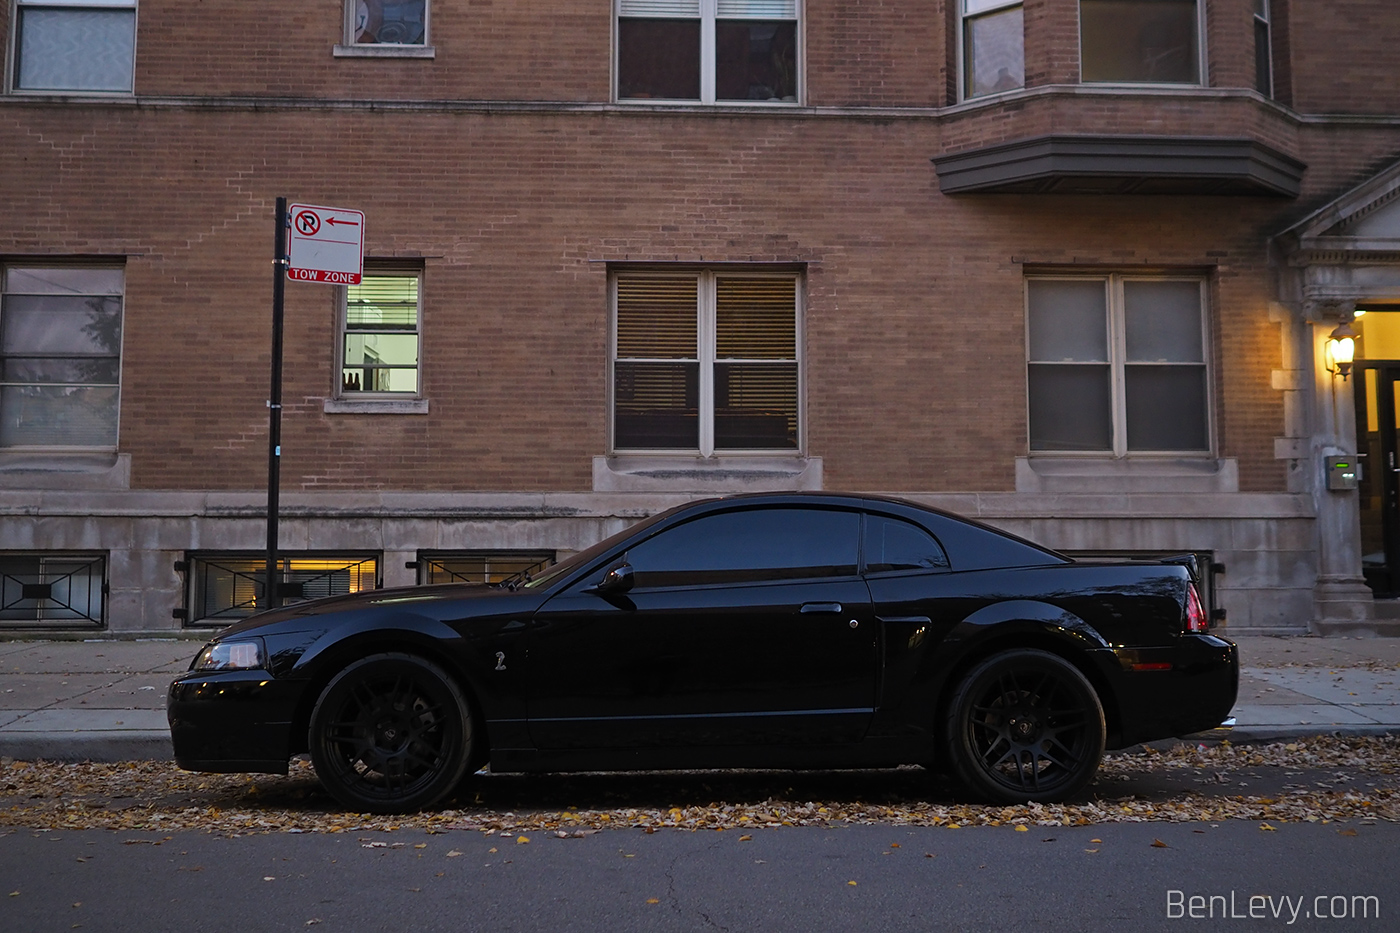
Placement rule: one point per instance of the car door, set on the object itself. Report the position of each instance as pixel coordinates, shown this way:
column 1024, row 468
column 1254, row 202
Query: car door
column 745, row 626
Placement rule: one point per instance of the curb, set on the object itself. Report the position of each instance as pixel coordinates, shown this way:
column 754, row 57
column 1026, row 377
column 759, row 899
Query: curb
column 134, row 745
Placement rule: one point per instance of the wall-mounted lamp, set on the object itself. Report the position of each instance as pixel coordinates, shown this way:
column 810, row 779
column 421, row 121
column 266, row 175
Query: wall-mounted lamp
column 1341, row 350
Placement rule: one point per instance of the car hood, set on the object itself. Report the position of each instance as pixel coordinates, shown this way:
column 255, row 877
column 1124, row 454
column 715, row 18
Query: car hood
column 464, row 599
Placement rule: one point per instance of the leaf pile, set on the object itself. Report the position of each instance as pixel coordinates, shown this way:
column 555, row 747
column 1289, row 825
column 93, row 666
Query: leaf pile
column 1322, row 779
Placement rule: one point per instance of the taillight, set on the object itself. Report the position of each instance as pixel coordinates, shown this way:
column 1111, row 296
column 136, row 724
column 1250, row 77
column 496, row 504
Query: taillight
column 1196, row 620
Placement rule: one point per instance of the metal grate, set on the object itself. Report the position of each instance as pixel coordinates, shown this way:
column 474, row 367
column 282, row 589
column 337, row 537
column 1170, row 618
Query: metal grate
column 479, row 566
column 52, row 591
column 225, row 588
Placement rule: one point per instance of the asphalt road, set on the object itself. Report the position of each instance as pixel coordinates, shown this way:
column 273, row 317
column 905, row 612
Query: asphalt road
column 1101, row 877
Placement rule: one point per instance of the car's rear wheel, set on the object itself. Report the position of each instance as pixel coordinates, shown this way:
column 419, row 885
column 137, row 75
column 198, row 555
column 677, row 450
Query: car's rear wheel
column 1025, row 725
column 391, row 733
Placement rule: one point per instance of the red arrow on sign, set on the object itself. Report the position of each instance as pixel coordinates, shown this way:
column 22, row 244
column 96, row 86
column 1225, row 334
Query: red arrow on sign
column 353, row 223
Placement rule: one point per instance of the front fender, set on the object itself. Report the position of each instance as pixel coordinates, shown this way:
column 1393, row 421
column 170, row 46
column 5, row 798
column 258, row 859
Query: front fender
column 474, row 654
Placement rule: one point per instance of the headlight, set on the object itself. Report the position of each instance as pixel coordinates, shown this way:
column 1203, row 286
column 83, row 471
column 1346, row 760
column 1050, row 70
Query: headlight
column 246, row 654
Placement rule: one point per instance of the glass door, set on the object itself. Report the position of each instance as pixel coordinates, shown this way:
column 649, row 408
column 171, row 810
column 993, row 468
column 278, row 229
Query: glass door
column 1377, row 426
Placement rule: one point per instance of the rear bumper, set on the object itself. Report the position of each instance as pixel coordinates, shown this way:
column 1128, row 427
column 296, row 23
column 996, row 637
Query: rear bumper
column 1194, row 694
column 232, row 721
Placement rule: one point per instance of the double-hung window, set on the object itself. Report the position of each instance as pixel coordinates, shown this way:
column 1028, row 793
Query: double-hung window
column 993, row 47
column 379, row 336
column 60, row 356
column 74, row 45
column 1140, row 41
column 705, row 361
column 707, row 50
column 1117, row 365
column 1263, row 48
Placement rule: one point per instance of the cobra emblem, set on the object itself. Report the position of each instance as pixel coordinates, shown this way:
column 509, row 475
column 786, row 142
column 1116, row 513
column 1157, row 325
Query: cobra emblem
column 500, row 660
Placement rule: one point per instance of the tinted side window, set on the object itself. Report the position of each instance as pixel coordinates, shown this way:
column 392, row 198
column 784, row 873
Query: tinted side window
column 891, row 544
column 755, row 544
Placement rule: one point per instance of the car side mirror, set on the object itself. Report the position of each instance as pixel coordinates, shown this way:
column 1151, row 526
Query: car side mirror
column 617, row 580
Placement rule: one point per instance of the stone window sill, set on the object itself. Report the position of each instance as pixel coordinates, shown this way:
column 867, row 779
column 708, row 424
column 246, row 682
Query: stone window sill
column 64, row 470
column 376, row 406
column 384, row 51
column 712, row 475
column 1102, row 475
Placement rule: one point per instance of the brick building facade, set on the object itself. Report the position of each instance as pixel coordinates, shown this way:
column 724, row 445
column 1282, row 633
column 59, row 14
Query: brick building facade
column 1066, row 266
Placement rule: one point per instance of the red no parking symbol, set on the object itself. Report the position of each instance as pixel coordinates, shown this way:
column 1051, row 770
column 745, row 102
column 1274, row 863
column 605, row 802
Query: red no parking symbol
column 307, row 223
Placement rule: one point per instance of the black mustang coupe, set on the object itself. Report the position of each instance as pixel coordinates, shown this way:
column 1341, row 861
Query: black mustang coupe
column 768, row 631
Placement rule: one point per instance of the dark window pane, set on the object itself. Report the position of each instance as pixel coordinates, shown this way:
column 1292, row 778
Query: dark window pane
column 755, row 406
column 755, row 60
column 1139, row 41
column 1166, row 407
column 1069, row 408
column 656, row 406
column 1068, row 321
column 996, row 59
column 656, row 317
column 99, row 371
column 392, row 23
column 1263, row 64
column 756, row 318
column 891, row 544
column 757, row 544
column 1163, row 322
column 658, row 58
column 84, row 416
column 61, row 325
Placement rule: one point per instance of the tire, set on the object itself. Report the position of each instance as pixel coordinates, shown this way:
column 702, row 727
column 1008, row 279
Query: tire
column 392, row 733
column 1025, row 725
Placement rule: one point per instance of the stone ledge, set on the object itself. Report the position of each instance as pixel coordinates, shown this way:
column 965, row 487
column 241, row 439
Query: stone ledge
column 1100, row 475
column 712, row 475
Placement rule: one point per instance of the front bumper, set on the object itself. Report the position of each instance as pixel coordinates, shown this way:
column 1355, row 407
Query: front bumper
column 232, row 720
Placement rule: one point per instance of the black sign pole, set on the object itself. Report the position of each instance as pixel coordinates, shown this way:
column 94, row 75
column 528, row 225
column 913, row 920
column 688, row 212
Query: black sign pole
column 272, row 597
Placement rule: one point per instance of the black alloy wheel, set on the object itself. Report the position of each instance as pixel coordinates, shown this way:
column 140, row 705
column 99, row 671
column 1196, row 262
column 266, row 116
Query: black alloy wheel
column 1025, row 725
column 391, row 733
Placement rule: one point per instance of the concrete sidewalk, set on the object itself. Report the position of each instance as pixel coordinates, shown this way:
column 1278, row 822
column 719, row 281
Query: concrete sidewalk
column 104, row 700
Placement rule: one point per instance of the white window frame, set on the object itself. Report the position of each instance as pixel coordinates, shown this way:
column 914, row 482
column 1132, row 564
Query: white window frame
column 964, row 18
column 11, row 82
column 706, row 341
column 349, row 48
column 342, row 324
column 1117, row 361
column 1202, row 62
column 708, row 16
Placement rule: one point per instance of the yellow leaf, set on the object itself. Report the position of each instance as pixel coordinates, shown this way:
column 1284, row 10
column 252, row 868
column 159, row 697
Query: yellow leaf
column 1091, row 850
column 521, row 840
column 1022, row 829
column 1159, row 844
column 653, row 900
column 1340, row 832
column 420, row 845
column 1267, row 828
column 1096, row 840
column 894, row 845
column 454, row 853
column 745, row 838
column 14, row 894
column 851, row 883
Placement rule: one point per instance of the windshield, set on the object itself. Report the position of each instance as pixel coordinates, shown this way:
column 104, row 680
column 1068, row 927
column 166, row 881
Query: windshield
column 584, row 557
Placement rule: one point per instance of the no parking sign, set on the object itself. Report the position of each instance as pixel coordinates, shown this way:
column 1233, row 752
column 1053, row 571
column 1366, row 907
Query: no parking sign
column 327, row 244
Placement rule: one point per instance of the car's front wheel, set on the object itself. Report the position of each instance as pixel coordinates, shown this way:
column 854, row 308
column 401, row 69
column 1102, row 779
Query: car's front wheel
column 391, row 733
column 1024, row 725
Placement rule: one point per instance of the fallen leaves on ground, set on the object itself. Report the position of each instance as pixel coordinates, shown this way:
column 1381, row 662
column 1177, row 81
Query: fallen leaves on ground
column 157, row 796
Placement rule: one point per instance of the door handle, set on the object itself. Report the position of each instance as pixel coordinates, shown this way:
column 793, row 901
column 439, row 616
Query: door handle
column 821, row 607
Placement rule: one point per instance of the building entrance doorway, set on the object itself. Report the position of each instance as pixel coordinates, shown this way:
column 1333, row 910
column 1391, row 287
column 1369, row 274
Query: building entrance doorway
column 1377, row 397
